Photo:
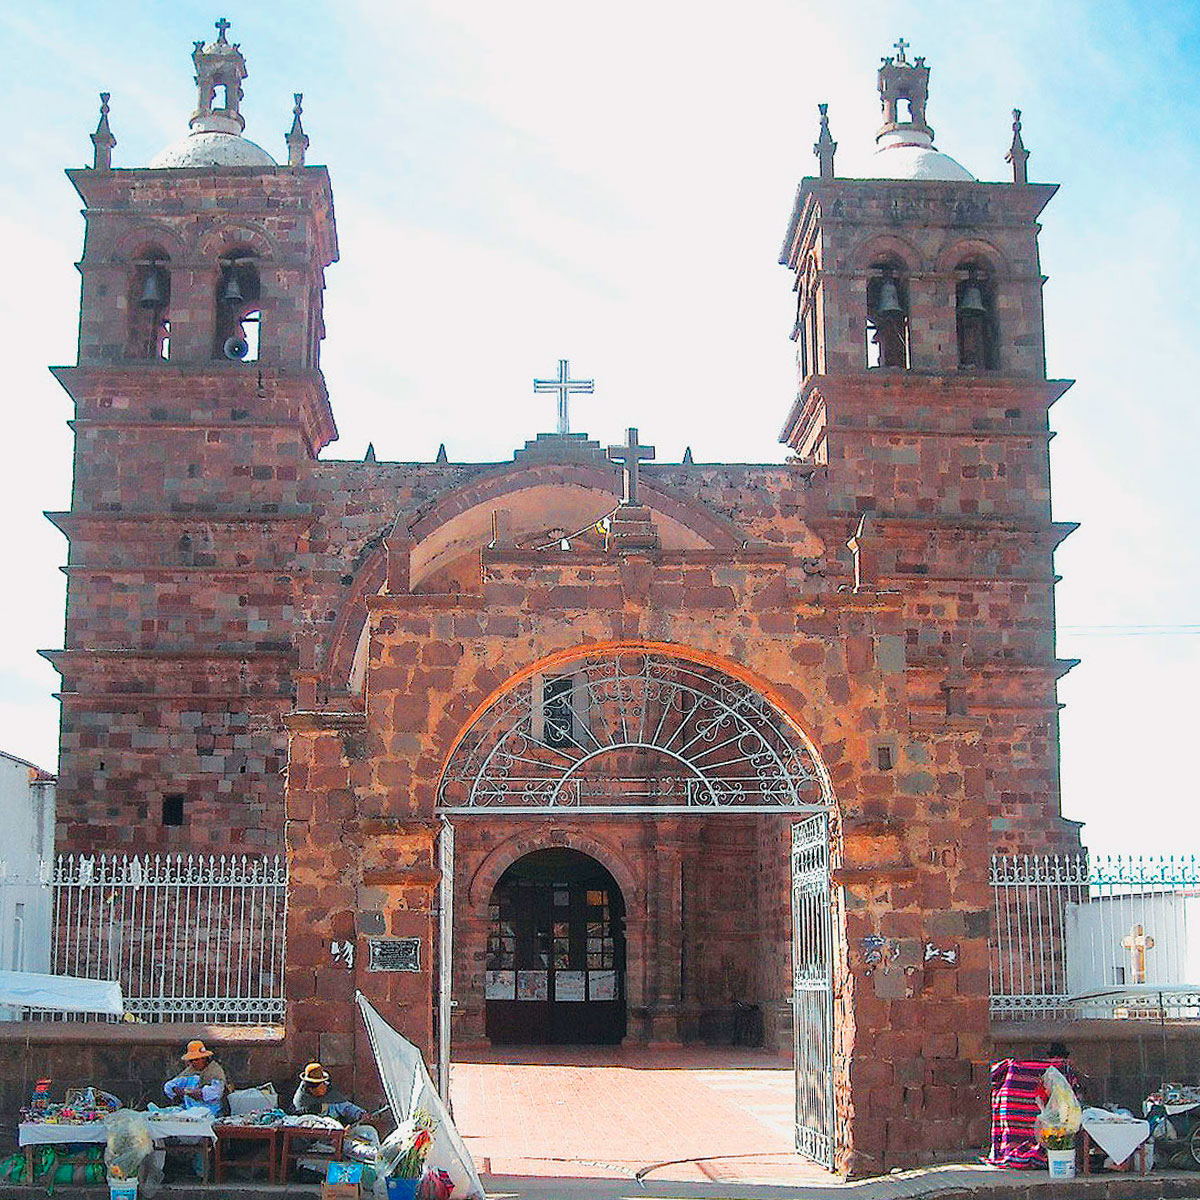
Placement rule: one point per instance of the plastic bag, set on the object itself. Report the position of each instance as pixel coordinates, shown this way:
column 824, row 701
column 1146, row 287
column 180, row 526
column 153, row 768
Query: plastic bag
column 130, row 1140
column 1061, row 1114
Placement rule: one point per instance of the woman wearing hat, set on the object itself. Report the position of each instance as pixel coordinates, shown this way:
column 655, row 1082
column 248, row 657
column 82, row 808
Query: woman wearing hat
column 202, row 1083
column 314, row 1097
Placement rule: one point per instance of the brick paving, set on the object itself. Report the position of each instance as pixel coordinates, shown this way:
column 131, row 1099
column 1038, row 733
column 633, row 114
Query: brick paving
column 688, row 1114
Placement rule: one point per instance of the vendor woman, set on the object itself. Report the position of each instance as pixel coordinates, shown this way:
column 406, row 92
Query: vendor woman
column 201, row 1083
column 314, row 1097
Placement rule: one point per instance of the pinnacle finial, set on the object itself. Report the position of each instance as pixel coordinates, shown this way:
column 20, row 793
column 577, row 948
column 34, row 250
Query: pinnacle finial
column 1017, row 154
column 103, row 140
column 297, row 139
column 825, row 146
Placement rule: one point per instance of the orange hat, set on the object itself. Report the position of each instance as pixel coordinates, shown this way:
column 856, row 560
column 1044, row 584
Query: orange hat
column 314, row 1073
column 195, row 1051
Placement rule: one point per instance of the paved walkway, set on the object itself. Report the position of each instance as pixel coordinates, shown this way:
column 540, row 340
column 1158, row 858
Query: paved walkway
column 695, row 1115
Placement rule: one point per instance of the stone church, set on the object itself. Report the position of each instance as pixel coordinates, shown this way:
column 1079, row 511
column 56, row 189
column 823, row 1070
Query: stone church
column 581, row 746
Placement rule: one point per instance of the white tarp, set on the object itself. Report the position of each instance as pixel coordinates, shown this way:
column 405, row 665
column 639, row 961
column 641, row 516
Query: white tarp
column 407, row 1085
column 64, row 993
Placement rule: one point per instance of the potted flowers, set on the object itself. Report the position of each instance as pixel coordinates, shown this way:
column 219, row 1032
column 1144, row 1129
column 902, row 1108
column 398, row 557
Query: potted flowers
column 1060, row 1151
column 407, row 1149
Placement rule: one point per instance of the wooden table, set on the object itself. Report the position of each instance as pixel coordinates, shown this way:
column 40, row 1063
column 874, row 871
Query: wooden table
column 266, row 1136
column 298, row 1136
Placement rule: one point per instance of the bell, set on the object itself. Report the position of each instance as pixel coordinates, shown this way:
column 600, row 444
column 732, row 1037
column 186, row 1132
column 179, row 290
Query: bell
column 971, row 300
column 231, row 293
column 153, row 293
column 888, row 303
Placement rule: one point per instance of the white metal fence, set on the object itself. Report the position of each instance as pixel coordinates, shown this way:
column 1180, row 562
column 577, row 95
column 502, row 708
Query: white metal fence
column 190, row 937
column 1090, row 936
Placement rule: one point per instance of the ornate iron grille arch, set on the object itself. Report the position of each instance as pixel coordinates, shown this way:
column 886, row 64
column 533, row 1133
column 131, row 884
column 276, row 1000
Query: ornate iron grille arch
column 685, row 737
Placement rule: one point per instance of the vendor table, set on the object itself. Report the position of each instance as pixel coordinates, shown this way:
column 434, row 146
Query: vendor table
column 267, row 1137
column 60, row 1133
column 297, row 1141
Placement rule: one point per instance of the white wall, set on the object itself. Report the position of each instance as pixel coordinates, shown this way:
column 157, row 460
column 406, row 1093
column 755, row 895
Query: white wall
column 1096, row 928
column 26, row 855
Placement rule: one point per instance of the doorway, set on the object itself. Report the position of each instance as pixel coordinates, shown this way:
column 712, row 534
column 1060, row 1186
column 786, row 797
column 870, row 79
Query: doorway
column 555, row 952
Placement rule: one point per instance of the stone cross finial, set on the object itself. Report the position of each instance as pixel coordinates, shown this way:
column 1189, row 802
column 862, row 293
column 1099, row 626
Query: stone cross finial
column 900, row 46
column 1137, row 943
column 630, row 456
column 1017, row 154
column 103, row 140
column 825, row 147
column 222, row 25
column 297, row 139
column 564, row 385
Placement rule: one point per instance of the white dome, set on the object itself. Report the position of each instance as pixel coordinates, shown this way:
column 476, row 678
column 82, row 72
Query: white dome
column 917, row 162
column 208, row 148
column 909, row 154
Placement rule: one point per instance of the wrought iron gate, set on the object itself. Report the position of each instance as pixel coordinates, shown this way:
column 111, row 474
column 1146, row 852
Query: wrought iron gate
column 445, row 956
column 812, row 989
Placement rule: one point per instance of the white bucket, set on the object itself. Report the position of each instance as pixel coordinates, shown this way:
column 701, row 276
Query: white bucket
column 1061, row 1163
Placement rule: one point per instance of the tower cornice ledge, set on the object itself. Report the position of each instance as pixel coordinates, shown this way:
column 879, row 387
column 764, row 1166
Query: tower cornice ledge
column 867, row 200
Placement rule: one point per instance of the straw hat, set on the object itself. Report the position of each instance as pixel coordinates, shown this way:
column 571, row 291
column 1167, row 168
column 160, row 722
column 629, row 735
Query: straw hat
column 195, row 1051
column 314, row 1073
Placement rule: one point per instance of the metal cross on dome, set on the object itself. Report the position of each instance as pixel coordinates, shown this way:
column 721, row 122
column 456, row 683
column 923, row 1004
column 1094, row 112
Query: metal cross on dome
column 564, row 385
column 630, row 456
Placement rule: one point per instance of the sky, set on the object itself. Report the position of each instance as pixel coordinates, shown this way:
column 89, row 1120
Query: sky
column 522, row 182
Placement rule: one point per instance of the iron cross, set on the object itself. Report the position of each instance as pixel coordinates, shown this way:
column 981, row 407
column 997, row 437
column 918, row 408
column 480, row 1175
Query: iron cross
column 630, row 456
column 564, row 385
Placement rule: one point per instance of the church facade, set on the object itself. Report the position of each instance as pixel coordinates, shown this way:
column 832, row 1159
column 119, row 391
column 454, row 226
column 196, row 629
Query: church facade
column 580, row 746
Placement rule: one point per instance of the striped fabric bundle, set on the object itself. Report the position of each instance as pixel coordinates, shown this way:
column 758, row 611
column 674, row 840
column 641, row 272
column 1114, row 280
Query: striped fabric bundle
column 1017, row 1097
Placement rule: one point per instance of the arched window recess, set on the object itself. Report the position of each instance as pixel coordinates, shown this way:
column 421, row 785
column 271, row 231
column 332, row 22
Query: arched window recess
column 887, row 342
column 975, row 318
column 150, row 307
column 239, row 313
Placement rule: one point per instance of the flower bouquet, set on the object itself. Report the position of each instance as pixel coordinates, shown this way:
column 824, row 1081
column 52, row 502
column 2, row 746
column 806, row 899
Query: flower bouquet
column 1058, row 1123
column 404, row 1154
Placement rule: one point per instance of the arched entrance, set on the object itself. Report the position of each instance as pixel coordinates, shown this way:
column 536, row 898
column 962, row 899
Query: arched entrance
column 720, row 803
column 556, row 952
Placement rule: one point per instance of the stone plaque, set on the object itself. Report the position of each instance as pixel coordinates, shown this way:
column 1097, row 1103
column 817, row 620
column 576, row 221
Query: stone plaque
column 394, row 954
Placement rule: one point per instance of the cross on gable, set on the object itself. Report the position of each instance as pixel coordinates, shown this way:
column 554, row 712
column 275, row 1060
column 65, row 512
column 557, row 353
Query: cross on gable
column 901, row 46
column 222, row 26
column 1137, row 942
column 564, row 385
column 631, row 455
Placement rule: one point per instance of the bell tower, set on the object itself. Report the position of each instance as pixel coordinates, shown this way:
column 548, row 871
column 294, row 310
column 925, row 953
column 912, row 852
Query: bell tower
column 921, row 426
column 199, row 409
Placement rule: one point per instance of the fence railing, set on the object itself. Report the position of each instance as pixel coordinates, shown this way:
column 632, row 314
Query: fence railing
column 1091, row 936
column 190, row 937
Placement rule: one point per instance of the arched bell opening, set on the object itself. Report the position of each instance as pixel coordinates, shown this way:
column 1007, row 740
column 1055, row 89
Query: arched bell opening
column 149, row 306
column 975, row 318
column 556, row 952
column 238, row 308
column 887, row 316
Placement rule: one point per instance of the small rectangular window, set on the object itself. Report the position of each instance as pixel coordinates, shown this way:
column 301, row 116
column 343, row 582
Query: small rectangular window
column 172, row 810
column 883, row 756
column 557, row 711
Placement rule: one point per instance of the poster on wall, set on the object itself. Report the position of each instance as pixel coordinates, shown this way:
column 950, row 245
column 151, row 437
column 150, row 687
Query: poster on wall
column 569, row 985
column 501, row 985
column 533, row 985
column 602, row 985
